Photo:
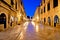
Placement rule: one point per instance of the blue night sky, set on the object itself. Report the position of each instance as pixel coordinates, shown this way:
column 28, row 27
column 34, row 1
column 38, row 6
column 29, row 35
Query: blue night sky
column 30, row 6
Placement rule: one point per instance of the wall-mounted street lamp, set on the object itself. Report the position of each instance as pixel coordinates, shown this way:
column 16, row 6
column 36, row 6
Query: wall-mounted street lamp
column 20, row 14
column 37, row 17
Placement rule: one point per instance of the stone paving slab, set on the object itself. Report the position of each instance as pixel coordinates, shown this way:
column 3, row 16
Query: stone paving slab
column 29, row 33
column 43, row 33
column 10, row 34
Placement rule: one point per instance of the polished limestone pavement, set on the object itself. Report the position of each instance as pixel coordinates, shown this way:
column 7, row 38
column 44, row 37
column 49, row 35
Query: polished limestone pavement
column 37, row 31
column 31, row 31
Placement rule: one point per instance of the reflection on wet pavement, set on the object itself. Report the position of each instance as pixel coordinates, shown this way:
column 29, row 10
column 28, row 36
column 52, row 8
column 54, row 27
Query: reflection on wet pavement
column 37, row 31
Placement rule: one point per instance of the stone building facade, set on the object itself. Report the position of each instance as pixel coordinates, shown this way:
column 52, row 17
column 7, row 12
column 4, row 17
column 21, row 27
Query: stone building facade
column 36, row 16
column 50, row 12
column 9, row 11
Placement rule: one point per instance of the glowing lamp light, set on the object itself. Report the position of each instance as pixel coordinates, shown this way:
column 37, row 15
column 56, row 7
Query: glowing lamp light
column 20, row 14
column 37, row 17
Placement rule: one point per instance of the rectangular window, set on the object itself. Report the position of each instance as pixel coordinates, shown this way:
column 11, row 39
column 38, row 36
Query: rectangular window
column 16, row 5
column 44, row 1
column 48, row 8
column 12, row 3
column 44, row 9
column 41, row 11
column 55, row 3
column 41, row 3
column 21, row 3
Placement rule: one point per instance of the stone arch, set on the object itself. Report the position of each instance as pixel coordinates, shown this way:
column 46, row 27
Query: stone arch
column 44, row 20
column 49, row 20
column 3, row 19
column 56, row 20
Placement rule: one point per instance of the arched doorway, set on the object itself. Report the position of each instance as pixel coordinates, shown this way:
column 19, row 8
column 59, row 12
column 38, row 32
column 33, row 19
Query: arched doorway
column 49, row 20
column 56, row 20
column 11, row 20
column 3, row 19
column 44, row 20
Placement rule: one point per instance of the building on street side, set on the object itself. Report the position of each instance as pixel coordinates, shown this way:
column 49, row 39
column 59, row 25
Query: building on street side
column 9, row 10
column 21, row 13
column 50, row 12
column 36, row 17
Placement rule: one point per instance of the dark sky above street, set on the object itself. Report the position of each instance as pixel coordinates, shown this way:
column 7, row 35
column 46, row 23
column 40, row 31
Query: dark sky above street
column 30, row 6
